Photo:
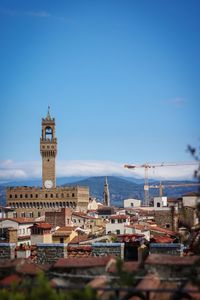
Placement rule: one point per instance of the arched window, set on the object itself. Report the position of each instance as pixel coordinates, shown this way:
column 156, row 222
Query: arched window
column 48, row 133
column 158, row 204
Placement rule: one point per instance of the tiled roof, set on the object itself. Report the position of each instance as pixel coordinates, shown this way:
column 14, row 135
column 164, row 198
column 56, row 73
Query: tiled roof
column 80, row 215
column 128, row 266
column 67, row 228
column 64, row 231
column 164, row 259
column 138, row 226
column 79, row 262
column 9, row 280
column 42, row 225
column 20, row 220
column 162, row 239
column 24, row 237
column 99, row 281
column 79, row 238
column 129, row 237
column 150, row 281
column 119, row 217
column 28, row 268
column 160, row 229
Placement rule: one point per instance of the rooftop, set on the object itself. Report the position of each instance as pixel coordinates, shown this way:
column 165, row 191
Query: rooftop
column 164, row 259
column 82, row 262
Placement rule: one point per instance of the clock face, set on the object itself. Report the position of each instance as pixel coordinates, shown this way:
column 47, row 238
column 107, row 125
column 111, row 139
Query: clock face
column 48, row 184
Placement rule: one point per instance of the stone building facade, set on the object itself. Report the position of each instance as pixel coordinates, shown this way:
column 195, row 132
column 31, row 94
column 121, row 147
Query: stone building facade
column 35, row 201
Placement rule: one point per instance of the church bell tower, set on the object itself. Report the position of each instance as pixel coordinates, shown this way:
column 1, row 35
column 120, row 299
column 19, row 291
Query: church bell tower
column 48, row 150
column 106, row 194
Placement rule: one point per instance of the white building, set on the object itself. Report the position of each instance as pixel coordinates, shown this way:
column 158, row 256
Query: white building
column 191, row 199
column 22, row 225
column 138, row 229
column 132, row 203
column 117, row 224
column 159, row 202
column 93, row 204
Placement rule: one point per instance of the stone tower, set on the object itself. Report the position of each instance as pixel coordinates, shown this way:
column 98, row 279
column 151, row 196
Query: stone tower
column 106, row 194
column 48, row 150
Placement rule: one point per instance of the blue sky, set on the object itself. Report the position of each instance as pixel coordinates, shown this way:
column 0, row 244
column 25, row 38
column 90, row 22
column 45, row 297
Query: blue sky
column 121, row 77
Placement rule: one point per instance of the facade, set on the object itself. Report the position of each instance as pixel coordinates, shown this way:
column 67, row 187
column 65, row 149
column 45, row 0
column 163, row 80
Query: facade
column 106, row 194
column 130, row 203
column 60, row 218
column 117, row 224
column 160, row 202
column 64, row 235
column 33, row 202
column 41, row 233
column 22, row 226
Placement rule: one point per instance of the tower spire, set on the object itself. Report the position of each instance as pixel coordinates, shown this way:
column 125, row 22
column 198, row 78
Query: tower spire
column 106, row 194
column 48, row 114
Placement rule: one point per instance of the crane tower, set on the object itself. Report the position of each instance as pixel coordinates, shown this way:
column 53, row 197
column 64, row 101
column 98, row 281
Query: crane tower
column 147, row 166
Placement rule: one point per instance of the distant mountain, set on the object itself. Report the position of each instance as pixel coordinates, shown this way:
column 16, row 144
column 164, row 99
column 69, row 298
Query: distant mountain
column 38, row 182
column 120, row 188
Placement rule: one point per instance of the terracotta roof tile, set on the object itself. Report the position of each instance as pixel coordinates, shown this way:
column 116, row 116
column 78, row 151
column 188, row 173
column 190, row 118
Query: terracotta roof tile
column 160, row 229
column 164, row 259
column 79, row 238
column 129, row 237
column 20, row 220
column 128, row 266
column 10, row 280
column 28, row 268
column 82, row 262
column 42, row 225
column 161, row 239
column 119, row 217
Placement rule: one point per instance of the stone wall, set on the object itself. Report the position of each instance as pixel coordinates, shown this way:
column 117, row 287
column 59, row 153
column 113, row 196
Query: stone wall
column 188, row 216
column 50, row 253
column 7, row 251
column 59, row 218
column 172, row 249
column 106, row 249
column 164, row 219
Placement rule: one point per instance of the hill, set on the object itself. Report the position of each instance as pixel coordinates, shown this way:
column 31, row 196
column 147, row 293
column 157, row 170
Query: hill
column 120, row 188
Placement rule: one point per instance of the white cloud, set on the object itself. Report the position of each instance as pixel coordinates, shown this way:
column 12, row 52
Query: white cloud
column 31, row 13
column 11, row 170
column 177, row 101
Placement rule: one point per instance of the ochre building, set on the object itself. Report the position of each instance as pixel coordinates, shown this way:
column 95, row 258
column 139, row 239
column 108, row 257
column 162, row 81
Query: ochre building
column 33, row 201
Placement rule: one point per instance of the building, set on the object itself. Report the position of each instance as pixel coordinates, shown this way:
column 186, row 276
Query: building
column 130, row 203
column 106, row 194
column 117, row 224
column 35, row 201
column 22, row 225
column 40, row 233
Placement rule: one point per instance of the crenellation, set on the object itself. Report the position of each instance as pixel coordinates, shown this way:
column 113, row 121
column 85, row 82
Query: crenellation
column 35, row 201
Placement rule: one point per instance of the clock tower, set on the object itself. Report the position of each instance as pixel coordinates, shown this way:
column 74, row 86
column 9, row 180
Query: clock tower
column 48, row 150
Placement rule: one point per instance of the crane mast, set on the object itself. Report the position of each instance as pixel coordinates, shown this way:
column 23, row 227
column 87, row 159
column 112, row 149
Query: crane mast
column 146, row 167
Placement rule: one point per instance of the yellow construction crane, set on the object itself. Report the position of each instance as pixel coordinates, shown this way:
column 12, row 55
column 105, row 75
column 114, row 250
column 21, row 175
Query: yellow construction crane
column 147, row 166
column 162, row 186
